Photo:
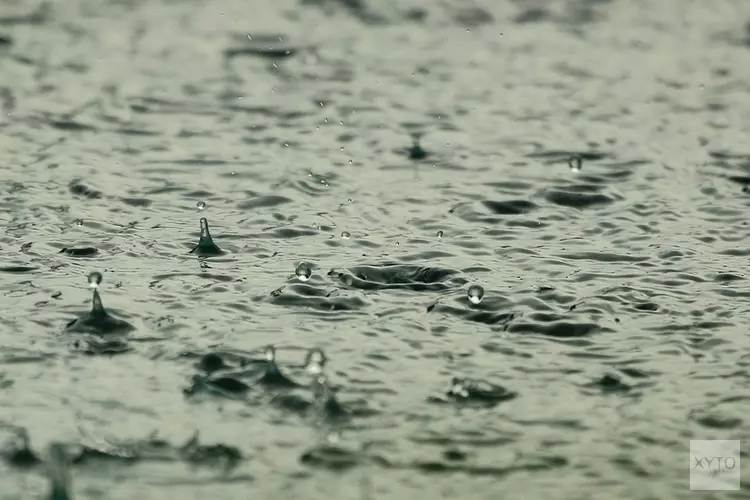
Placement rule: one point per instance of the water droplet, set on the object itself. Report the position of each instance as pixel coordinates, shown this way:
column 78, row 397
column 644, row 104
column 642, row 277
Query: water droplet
column 325, row 120
column 342, row 148
column 447, row 144
column 350, row 200
column 350, row 162
column 439, row 234
column 575, row 162
column 79, row 222
column 95, row 279
column 475, row 294
column 315, row 361
column 201, row 205
column 303, row 271
column 270, row 353
column 345, row 235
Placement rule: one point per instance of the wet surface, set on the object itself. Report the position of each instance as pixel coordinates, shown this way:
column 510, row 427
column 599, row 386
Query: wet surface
column 517, row 230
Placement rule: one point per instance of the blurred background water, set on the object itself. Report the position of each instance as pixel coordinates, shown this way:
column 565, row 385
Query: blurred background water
column 397, row 155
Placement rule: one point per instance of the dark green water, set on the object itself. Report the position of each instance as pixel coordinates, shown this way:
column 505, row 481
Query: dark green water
column 615, row 314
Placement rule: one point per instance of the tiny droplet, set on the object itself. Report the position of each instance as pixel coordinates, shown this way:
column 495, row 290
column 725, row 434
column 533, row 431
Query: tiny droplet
column 345, row 235
column 439, row 234
column 201, row 205
column 575, row 163
column 95, row 279
column 475, row 294
column 303, row 271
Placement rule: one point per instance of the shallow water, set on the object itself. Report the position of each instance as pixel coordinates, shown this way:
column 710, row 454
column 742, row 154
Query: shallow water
column 615, row 298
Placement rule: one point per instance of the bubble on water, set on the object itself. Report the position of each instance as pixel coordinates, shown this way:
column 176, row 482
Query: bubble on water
column 201, row 205
column 575, row 162
column 475, row 294
column 95, row 279
column 303, row 271
column 345, row 235
column 439, row 234
column 79, row 222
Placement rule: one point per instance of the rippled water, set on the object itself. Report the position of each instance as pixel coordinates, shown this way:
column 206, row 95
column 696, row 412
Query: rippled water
column 613, row 324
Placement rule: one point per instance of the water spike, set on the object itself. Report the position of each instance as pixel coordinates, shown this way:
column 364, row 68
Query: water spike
column 59, row 474
column 206, row 245
column 97, row 308
column 204, row 229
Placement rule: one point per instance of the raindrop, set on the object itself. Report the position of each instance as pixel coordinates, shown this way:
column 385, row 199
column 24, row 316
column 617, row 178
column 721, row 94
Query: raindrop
column 315, row 361
column 475, row 294
column 79, row 222
column 201, row 205
column 439, row 234
column 342, row 148
column 447, row 144
column 350, row 200
column 575, row 163
column 270, row 354
column 350, row 162
column 303, row 271
column 345, row 235
column 95, row 279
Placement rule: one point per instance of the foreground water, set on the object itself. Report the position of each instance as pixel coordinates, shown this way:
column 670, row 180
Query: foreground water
column 612, row 325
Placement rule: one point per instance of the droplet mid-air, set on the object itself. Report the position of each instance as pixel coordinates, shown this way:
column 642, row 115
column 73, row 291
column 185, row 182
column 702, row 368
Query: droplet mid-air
column 345, row 235
column 439, row 234
column 303, row 271
column 575, row 162
column 475, row 294
column 315, row 361
column 95, row 279
column 201, row 205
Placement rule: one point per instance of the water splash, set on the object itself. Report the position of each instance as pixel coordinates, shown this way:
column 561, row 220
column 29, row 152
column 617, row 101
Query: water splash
column 416, row 152
column 58, row 470
column 98, row 320
column 206, row 245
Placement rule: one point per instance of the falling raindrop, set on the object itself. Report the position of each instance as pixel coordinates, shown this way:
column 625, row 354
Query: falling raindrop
column 345, row 235
column 95, row 279
column 303, row 271
column 79, row 222
column 270, row 354
column 475, row 294
column 575, row 162
column 439, row 234
column 315, row 361
column 201, row 205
